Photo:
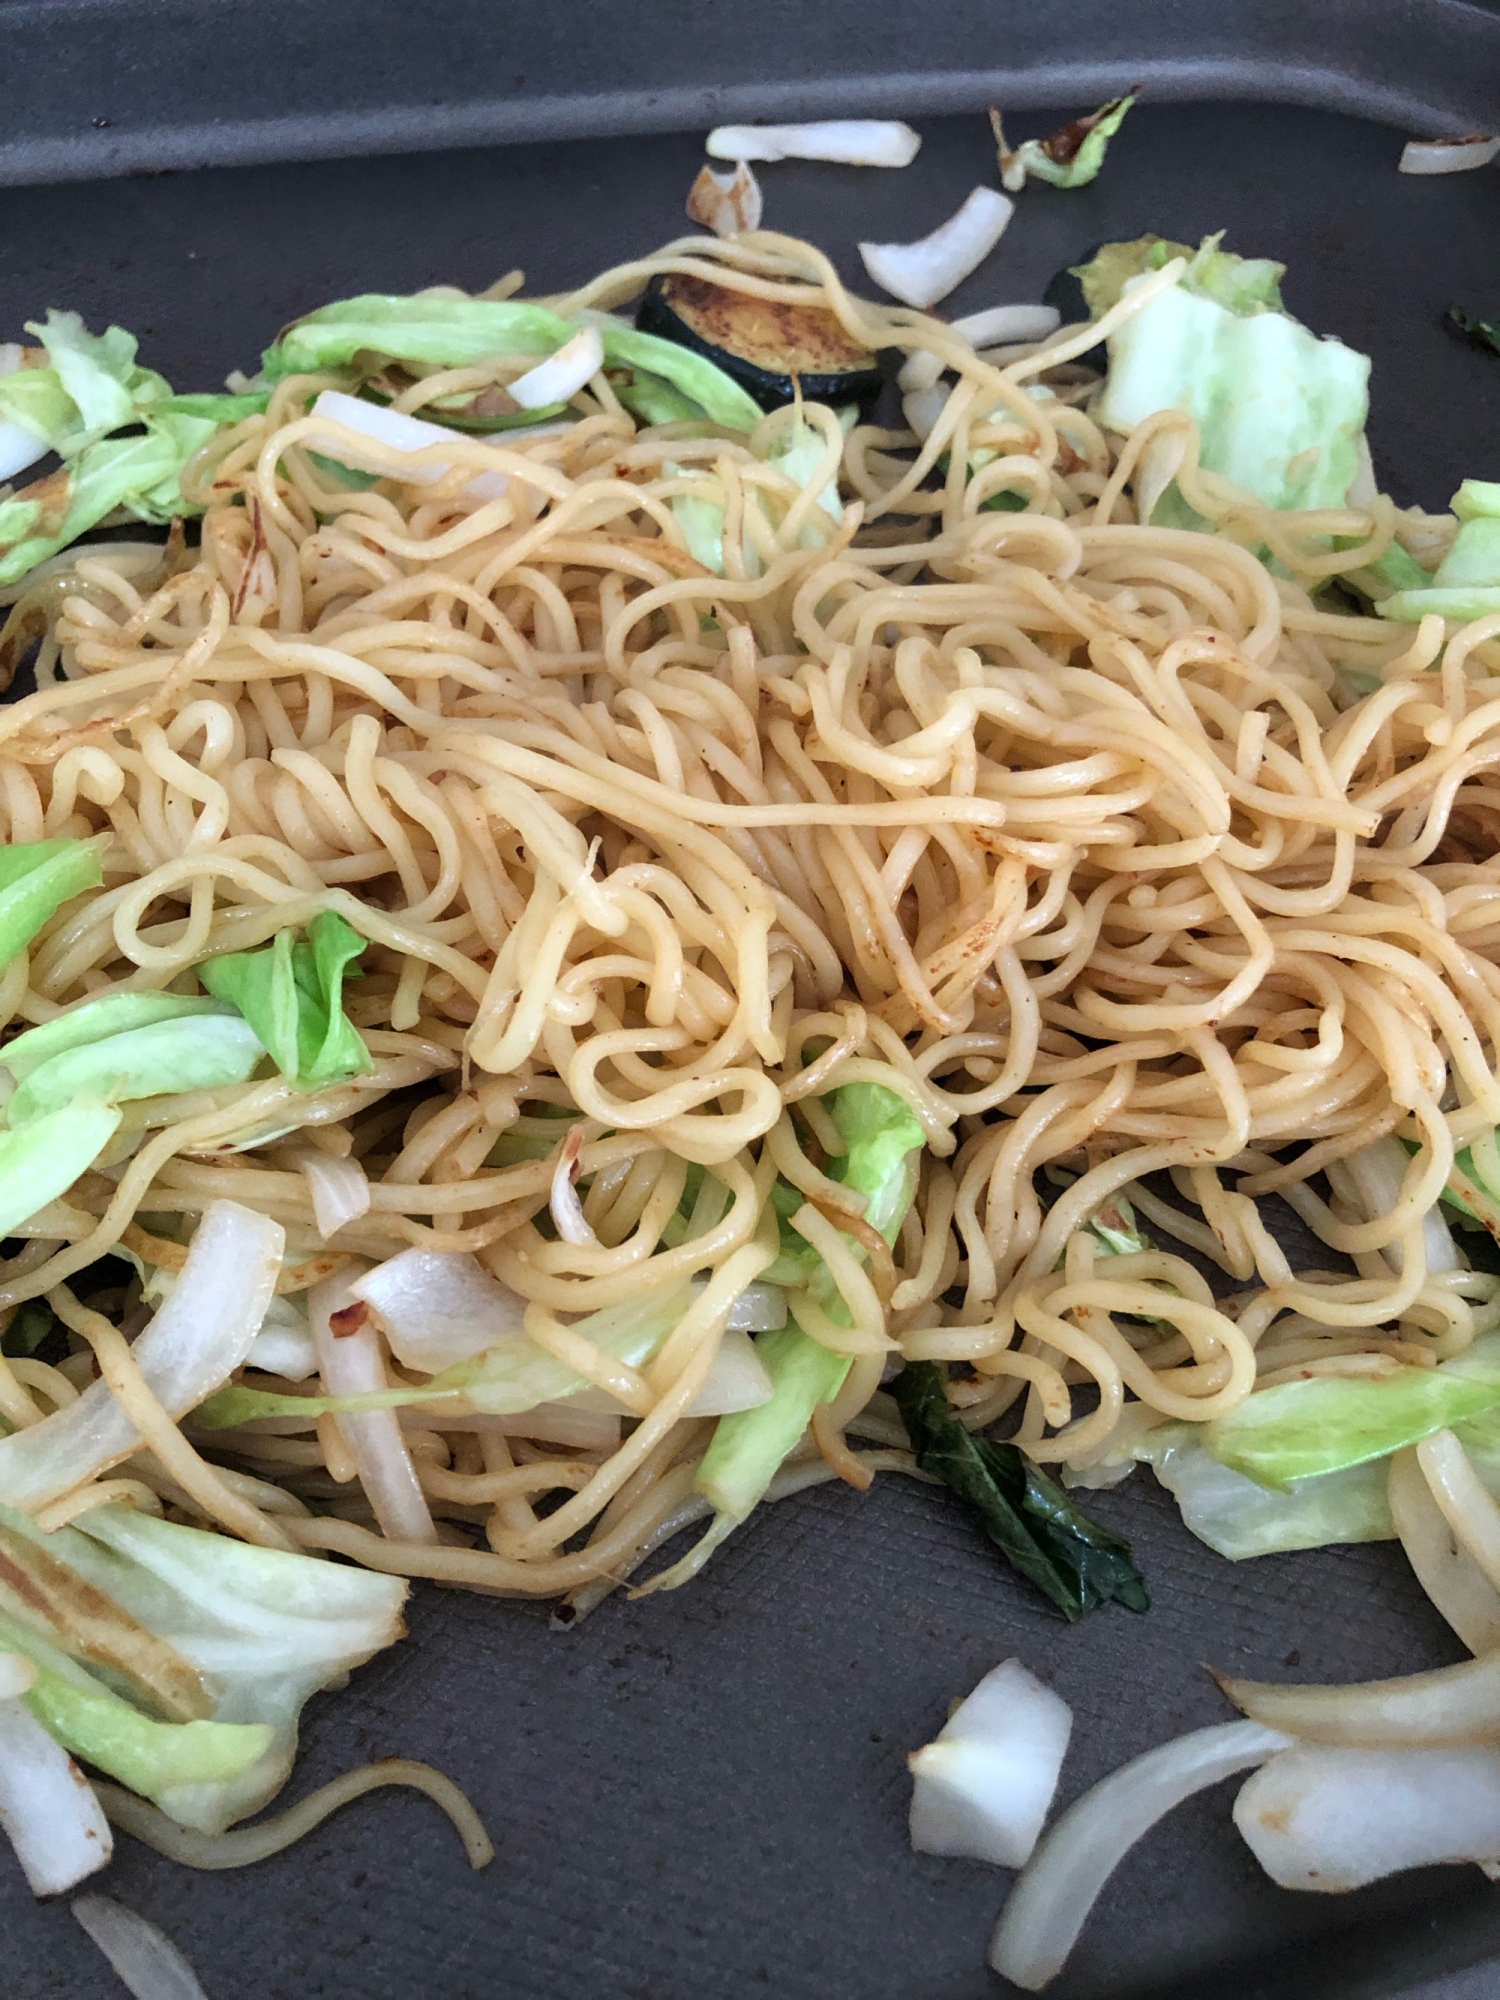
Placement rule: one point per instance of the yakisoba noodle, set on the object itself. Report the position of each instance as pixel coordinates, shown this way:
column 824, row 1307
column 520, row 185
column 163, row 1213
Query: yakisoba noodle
column 1100, row 844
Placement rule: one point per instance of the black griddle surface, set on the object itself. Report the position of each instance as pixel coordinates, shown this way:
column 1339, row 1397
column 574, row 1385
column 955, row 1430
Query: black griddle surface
column 703, row 1796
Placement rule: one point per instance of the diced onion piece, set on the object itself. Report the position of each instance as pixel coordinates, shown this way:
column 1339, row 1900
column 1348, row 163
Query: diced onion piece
column 758, row 1309
column 1448, row 156
column 922, row 273
column 439, row 1307
column 144, row 1957
column 857, row 142
column 18, row 449
column 1447, row 1705
column 340, row 1190
column 985, row 1785
column 567, row 1209
column 47, row 1806
column 1333, row 1819
column 562, row 374
column 396, row 432
column 1051, row 1900
column 194, row 1344
column 738, row 1380
column 352, row 1365
column 726, row 203
column 923, row 408
column 1007, row 325
column 1458, row 1588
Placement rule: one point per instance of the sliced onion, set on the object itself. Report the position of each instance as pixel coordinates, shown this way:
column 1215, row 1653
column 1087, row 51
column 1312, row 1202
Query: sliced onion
column 726, row 203
column 1448, row 156
column 1460, row 1591
column 397, row 432
column 738, row 1379
column 47, row 1806
column 759, row 1308
column 567, row 1209
column 1060, row 1884
column 340, row 1190
column 12, row 357
column 923, row 407
column 922, row 273
column 858, row 142
column 18, row 449
column 1378, row 1172
column 439, row 1307
column 144, row 1957
column 284, row 1346
column 985, row 1785
column 1448, row 1705
column 1334, row 1819
column 1008, row 325
column 562, row 374
column 197, row 1340
column 352, row 1365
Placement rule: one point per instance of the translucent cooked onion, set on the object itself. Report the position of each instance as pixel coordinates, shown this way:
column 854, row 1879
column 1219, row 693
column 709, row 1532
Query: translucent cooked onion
column 1054, row 1893
column 985, row 1785
column 395, row 431
column 143, row 1956
column 857, row 142
column 562, row 374
column 726, row 203
column 18, row 449
column 921, row 273
column 567, row 1210
column 1448, row 1705
column 439, row 1307
column 1332, row 1819
column 352, row 1365
column 340, row 1190
column 47, row 1806
column 738, row 1379
column 1448, row 156
column 194, row 1344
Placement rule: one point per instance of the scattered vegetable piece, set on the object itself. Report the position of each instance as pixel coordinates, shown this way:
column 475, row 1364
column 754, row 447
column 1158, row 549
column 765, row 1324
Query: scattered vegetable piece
column 36, row 878
column 726, row 203
column 1050, row 1903
column 562, row 374
column 985, row 1785
column 1483, row 332
column 858, row 142
column 47, row 1806
column 1300, row 1430
column 43, row 1159
column 1071, row 1559
column 143, row 1956
column 921, row 273
column 1465, row 585
column 1331, row 1819
column 1070, row 158
column 291, row 994
column 1446, row 1705
column 1448, row 156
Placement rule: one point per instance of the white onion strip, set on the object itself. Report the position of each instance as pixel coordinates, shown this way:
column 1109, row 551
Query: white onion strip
column 396, row 432
column 18, row 449
column 1448, row 156
column 439, row 1307
column 1458, row 1588
column 857, row 142
column 1446, row 1705
column 921, row 273
column 984, row 1786
column 726, row 203
column 1334, row 1819
column 143, row 1956
column 567, row 1209
column 352, row 1365
column 1054, row 1893
column 201, row 1335
column 47, row 1806
column 562, row 374
column 338, row 1189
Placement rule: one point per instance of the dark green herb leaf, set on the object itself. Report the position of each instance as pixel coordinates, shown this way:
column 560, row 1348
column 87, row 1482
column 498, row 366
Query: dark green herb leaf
column 1483, row 332
column 1070, row 1559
